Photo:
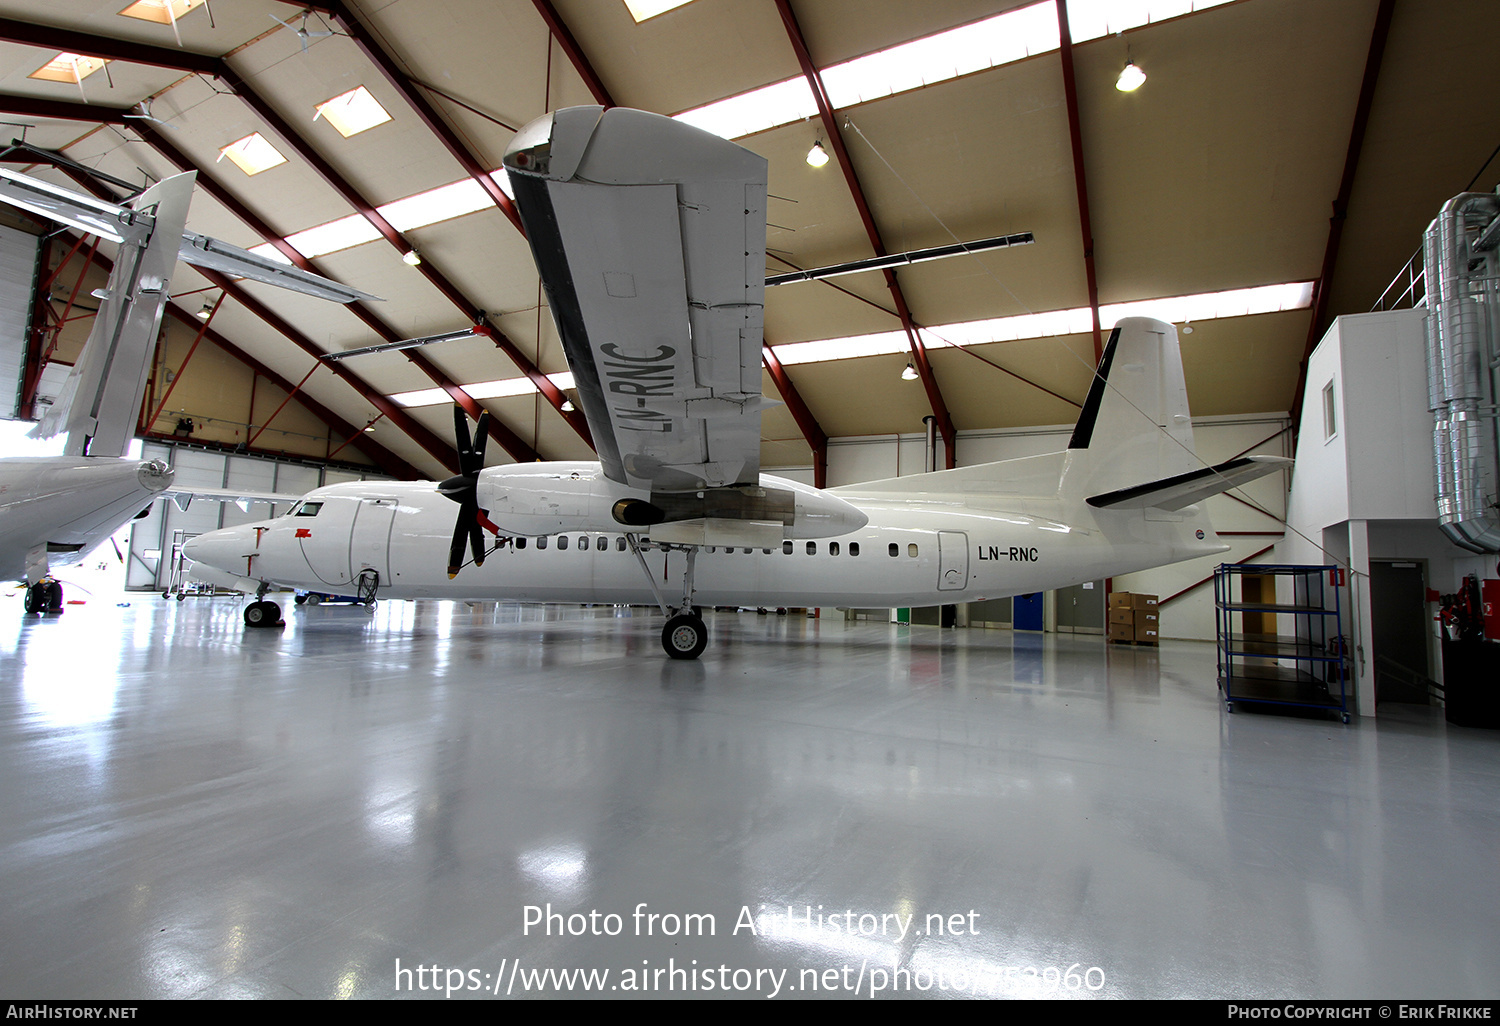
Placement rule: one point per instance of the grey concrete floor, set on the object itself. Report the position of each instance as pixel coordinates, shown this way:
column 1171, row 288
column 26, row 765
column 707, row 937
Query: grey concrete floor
column 366, row 805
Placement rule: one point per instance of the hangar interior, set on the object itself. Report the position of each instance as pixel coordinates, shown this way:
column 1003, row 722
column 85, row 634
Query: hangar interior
column 197, row 810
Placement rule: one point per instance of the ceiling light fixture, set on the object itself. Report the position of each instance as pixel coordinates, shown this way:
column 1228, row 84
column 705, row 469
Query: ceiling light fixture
column 206, row 312
column 910, row 374
column 1131, row 77
column 411, row 258
column 567, row 406
column 817, row 156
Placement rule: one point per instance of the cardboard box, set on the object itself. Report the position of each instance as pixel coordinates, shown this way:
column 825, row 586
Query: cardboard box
column 1143, row 619
column 1147, row 636
column 1122, row 614
column 1139, row 601
column 1120, row 600
column 1121, row 632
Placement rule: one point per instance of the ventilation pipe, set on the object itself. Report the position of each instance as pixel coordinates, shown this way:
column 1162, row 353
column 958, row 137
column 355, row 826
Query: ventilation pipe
column 929, row 452
column 1461, row 268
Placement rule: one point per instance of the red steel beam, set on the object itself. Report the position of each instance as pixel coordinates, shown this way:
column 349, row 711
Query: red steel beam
column 841, row 152
column 574, row 52
column 202, row 330
column 1321, row 287
column 48, row 37
column 425, row 110
column 806, row 422
column 1075, row 136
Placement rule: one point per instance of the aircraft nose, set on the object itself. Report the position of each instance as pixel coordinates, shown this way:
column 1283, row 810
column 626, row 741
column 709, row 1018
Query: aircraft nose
column 224, row 549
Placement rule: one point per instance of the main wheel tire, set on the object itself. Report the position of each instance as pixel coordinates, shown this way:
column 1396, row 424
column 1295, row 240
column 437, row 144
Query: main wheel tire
column 36, row 601
column 54, row 596
column 684, row 637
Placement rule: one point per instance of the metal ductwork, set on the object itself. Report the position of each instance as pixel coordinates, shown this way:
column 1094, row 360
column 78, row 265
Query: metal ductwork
column 1462, row 270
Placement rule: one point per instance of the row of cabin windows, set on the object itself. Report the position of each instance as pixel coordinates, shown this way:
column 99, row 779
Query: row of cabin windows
column 601, row 544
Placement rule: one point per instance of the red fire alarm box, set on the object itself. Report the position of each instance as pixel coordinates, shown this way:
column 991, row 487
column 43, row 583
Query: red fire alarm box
column 1489, row 593
column 1335, row 577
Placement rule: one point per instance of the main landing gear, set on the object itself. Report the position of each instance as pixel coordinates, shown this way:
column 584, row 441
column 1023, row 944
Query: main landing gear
column 685, row 635
column 46, row 596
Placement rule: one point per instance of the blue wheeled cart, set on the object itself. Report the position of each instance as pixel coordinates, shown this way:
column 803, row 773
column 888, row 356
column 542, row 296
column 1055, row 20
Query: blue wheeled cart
column 1307, row 668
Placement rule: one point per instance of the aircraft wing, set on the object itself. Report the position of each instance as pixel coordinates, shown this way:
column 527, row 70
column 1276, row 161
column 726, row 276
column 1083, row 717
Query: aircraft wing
column 650, row 238
column 202, row 251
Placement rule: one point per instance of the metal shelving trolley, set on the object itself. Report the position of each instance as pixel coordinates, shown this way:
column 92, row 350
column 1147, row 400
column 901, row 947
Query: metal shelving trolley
column 1306, row 668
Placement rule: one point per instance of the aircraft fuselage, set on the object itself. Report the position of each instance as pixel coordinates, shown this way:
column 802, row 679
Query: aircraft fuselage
column 917, row 549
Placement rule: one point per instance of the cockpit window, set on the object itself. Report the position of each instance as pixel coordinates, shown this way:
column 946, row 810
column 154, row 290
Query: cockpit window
column 307, row 509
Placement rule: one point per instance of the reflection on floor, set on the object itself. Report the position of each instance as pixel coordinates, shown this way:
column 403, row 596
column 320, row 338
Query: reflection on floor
column 436, row 797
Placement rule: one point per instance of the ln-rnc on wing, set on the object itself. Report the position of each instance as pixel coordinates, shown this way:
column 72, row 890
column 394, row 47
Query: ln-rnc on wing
column 650, row 237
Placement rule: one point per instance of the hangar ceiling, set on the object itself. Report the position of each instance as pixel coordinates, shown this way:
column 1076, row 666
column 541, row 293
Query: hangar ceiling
column 1220, row 173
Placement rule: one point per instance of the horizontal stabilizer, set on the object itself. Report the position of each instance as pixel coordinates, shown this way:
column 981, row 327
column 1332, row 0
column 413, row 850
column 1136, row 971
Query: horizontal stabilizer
column 202, row 251
column 1173, row 493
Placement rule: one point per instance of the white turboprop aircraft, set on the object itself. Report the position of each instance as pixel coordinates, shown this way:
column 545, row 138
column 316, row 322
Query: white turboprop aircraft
column 650, row 237
column 54, row 509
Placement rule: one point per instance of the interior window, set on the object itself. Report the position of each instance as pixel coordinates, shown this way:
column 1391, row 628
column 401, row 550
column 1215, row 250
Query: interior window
column 601, row 543
column 620, row 544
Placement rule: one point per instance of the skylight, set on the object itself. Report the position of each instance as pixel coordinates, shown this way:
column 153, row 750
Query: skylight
column 163, row 12
column 503, row 388
column 68, row 67
column 252, row 154
column 441, row 204
column 1077, row 321
column 334, row 236
column 353, row 112
column 990, row 43
column 640, row 10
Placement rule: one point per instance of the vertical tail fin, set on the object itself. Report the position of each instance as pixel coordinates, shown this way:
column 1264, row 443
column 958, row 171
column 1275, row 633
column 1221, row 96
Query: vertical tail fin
column 101, row 399
column 1135, row 425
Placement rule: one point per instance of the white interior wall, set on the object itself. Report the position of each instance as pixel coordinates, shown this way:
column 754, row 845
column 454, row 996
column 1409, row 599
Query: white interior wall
column 18, row 260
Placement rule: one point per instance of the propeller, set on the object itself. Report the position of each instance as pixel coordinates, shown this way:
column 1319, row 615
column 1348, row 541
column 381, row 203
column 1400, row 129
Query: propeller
column 464, row 490
column 302, row 34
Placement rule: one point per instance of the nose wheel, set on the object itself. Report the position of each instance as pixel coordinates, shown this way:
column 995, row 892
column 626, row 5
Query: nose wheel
column 262, row 614
column 685, row 636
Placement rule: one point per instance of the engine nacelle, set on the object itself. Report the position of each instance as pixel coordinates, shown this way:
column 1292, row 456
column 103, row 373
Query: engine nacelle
column 535, row 499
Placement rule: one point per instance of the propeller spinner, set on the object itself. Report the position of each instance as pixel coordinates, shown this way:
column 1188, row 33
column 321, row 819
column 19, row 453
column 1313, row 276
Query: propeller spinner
column 464, row 490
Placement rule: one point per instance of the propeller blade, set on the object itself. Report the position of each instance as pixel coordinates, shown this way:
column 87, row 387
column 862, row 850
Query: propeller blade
column 476, row 539
column 456, row 550
column 461, row 434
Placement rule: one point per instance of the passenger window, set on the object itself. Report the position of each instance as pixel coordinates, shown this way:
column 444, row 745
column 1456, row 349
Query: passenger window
column 854, row 548
column 601, row 543
column 541, row 542
column 583, row 543
column 308, row 509
column 833, row 548
column 895, row 549
column 911, row 550
column 620, row 544
column 812, row 548
column 520, row 543
column 786, row 548
column 562, row 542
